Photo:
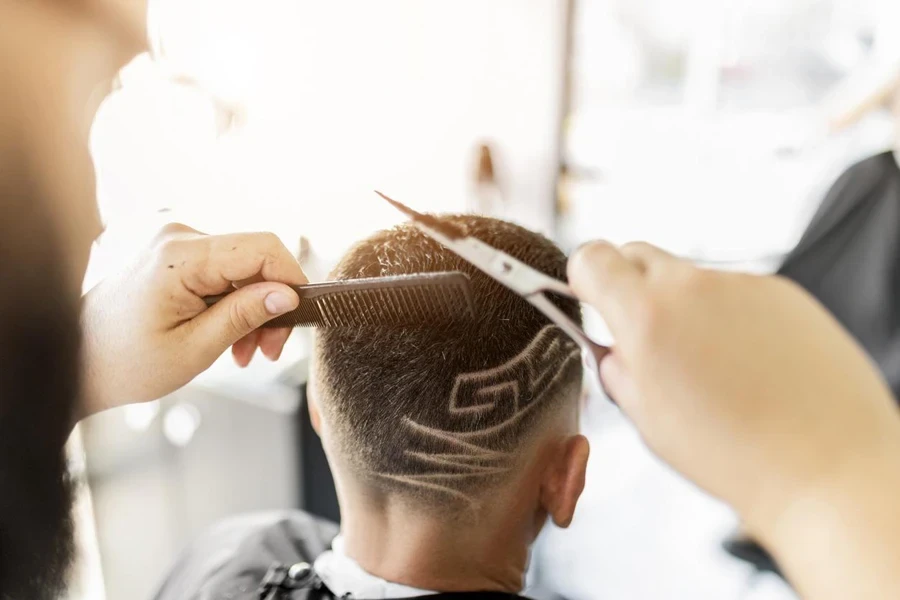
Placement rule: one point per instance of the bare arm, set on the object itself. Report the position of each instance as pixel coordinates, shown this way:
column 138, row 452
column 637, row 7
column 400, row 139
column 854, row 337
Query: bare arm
column 748, row 387
column 842, row 539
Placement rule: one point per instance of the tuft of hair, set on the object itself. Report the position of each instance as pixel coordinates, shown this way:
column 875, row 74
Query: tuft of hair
column 440, row 414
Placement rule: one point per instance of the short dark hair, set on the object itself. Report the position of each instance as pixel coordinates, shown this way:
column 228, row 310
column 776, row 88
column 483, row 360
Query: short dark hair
column 439, row 413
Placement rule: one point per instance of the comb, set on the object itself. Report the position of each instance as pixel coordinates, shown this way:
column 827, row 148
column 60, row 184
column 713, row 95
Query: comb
column 422, row 299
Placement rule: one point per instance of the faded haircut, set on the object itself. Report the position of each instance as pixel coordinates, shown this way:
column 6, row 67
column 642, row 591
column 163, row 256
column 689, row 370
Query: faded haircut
column 440, row 414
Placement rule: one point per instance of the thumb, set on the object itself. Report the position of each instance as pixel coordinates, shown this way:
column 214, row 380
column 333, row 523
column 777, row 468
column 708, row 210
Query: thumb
column 214, row 330
column 602, row 276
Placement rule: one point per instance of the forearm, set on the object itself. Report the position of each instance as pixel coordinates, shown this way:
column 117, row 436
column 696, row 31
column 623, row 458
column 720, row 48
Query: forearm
column 842, row 540
column 751, row 389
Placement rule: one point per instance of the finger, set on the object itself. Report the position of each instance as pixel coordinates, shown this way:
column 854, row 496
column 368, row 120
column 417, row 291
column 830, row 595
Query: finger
column 618, row 383
column 272, row 341
column 244, row 282
column 646, row 256
column 208, row 265
column 244, row 349
column 211, row 332
column 173, row 230
column 249, row 256
column 607, row 280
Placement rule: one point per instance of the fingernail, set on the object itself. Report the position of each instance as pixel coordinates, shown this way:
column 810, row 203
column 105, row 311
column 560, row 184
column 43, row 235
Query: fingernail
column 278, row 303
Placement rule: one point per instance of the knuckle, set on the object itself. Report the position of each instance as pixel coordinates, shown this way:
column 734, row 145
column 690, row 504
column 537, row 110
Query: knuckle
column 636, row 247
column 170, row 249
column 269, row 242
column 275, row 248
column 271, row 238
column 263, row 243
column 171, row 229
column 588, row 262
column 594, row 253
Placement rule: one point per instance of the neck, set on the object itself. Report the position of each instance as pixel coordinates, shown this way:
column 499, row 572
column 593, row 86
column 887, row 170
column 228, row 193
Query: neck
column 404, row 546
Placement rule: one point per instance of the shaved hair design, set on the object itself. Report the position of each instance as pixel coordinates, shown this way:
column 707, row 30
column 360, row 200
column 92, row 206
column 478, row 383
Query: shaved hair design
column 507, row 393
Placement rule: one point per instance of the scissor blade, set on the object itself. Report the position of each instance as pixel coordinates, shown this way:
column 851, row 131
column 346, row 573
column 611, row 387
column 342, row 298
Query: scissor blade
column 505, row 269
column 412, row 214
column 429, row 222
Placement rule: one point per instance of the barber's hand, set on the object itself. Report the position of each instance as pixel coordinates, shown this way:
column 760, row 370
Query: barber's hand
column 743, row 383
column 148, row 331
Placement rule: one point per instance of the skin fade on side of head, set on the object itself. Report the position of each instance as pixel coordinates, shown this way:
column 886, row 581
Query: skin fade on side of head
column 440, row 416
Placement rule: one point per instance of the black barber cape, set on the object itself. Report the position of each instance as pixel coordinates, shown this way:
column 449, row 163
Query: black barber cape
column 849, row 257
column 233, row 559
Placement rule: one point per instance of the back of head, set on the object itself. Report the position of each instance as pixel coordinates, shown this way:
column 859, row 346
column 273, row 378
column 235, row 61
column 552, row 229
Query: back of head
column 440, row 416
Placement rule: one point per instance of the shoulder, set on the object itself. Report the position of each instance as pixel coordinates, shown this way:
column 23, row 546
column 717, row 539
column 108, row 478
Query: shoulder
column 233, row 556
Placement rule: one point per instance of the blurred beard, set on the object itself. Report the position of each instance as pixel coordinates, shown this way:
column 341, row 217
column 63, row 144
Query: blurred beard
column 38, row 390
column 39, row 387
column 37, row 534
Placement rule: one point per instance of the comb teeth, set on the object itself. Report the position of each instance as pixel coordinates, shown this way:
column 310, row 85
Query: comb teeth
column 425, row 299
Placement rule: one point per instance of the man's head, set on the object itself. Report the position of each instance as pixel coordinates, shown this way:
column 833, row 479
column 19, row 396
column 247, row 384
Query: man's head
column 465, row 421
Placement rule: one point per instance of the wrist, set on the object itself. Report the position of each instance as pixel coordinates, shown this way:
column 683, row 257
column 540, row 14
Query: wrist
column 95, row 370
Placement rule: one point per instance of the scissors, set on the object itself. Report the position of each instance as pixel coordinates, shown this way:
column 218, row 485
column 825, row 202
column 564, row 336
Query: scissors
column 524, row 280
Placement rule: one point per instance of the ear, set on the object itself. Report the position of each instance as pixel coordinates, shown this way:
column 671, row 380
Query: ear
column 312, row 399
column 565, row 480
column 312, row 388
column 312, row 404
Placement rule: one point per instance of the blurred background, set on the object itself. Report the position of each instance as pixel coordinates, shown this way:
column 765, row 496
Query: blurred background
column 713, row 128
